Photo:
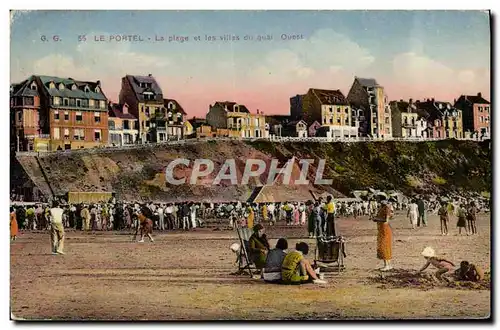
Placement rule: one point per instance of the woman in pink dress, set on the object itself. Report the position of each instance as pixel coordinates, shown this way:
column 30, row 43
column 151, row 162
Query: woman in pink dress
column 296, row 214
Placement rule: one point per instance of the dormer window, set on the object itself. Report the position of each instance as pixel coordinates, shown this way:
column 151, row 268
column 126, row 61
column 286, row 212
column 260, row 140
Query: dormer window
column 33, row 86
column 73, row 87
column 169, row 115
column 440, row 106
column 61, row 86
column 448, row 106
column 86, row 89
column 97, row 89
column 52, row 85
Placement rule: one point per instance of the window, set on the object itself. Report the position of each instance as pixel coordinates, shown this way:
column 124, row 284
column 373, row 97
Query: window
column 111, row 124
column 97, row 89
column 57, row 100
column 86, row 89
column 76, row 134
column 61, row 86
column 73, row 87
column 56, row 133
column 52, row 85
column 97, row 135
column 324, row 120
column 66, row 115
column 66, row 102
column 387, row 120
column 79, row 117
column 66, row 133
column 126, row 124
column 97, row 117
column 78, row 103
column 487, row 118
column 72, row 102
column 480, row 109
column 346, row 111
column 147, row 111
column 91, row 103
column 33, row 86
column 56, row 115
column 331, row 109
column 338, row 120
column 487, row 109
column 338, row 110
column 102, row 104
column 147, row 123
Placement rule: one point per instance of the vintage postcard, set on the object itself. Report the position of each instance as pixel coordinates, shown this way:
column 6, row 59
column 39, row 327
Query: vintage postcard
column 250, row 165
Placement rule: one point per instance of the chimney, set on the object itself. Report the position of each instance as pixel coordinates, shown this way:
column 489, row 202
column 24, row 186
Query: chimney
column 401, row 100
column 428, row 100
column 433, row 100
column 150, row 75
column 125, row 109
column 98, row 83
column 257, row 111
column 411, row 101
column 479, row 95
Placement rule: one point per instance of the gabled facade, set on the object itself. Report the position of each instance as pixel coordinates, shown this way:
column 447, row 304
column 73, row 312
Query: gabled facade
column 144, row 98
column 476, row 115
column 445, row 119
column 313, row 128
column 238, row 119
column 53, row 113
column 123, row 126
column 329, row 108
column 404, row 119
column 367, row 95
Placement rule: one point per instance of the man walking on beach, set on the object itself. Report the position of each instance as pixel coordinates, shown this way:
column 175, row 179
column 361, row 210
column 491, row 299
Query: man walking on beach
column 421, row 213
column 56, row 229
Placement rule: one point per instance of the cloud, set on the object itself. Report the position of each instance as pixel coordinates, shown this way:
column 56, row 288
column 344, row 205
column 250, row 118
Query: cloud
column 325, row 50
column 426, row 77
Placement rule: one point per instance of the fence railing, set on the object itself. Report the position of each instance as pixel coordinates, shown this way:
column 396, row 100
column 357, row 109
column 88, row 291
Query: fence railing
column 151, row 145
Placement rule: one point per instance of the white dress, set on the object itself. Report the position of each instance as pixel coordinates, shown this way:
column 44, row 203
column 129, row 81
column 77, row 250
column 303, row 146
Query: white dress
column 413, row 213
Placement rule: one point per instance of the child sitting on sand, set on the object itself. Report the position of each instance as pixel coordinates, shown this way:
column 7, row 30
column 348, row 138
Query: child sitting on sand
column 444, row 266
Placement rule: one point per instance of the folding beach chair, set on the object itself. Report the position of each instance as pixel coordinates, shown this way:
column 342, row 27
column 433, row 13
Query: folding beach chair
column 244, row 260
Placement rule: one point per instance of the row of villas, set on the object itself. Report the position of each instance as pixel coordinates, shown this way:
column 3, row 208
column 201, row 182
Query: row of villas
column 52, row 113
column 366, row 111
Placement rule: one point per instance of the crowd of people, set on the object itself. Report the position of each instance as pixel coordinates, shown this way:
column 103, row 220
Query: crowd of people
column 114, row 215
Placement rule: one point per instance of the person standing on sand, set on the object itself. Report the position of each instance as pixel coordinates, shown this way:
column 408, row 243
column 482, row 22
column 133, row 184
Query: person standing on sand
column 471, row 218
column 413, row 213
column 384, row 235
column 462, row 221
column 444, row 218
column 56, row 229
column 13, row 224
column 422, row 219
column 85, row 214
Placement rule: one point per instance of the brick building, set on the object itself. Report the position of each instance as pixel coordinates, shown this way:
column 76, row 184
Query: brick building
column 53, row 113
column 475, row 114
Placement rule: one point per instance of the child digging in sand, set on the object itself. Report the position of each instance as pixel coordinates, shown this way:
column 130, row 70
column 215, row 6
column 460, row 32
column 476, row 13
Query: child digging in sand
column 444, row 266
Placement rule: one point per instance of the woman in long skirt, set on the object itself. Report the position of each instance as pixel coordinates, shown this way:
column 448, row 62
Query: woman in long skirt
column 13, row 224
column 384, row 235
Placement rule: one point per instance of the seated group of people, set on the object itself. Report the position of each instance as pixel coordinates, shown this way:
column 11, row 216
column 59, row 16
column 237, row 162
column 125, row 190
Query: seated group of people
column 276, row 264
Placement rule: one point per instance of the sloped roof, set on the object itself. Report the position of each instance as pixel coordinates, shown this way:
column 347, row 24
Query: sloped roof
column 24, row 88
column 178, row 107
column 471, row 100
column 68, row 91
column 230, row 106
column 155, row 88
column 329, row 97
column 430, row 109
column 367, row 82
column 115, row 110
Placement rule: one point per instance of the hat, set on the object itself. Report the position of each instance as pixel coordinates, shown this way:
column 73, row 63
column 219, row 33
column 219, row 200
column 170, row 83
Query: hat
column 428, row 252
column 235, row 247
